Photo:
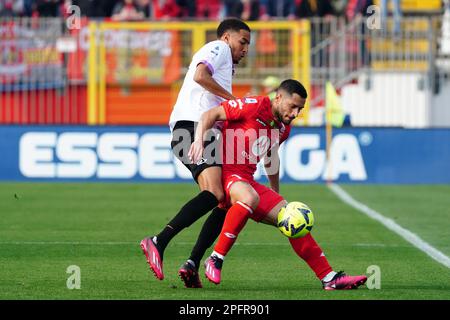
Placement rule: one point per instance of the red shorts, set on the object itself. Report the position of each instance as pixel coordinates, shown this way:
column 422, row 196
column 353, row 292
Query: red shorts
column 268, row 198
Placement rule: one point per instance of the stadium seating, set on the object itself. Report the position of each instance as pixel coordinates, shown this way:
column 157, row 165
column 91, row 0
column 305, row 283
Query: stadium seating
column 417, row 6
column 410, row 52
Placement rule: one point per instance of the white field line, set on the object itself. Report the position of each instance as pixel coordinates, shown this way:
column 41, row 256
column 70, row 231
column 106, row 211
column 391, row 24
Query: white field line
column 392, row 225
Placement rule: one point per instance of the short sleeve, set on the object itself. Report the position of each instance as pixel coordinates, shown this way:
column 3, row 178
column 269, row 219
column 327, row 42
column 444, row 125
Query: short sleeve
column 214, row 56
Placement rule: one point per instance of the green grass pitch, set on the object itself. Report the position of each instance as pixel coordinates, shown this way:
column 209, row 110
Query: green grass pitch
column 44, row 228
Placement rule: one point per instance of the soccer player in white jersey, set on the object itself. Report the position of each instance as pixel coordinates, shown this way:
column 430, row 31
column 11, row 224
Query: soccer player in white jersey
column 207, row 83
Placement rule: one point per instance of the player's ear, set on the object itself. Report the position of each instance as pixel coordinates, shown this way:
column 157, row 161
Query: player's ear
column 279, row 96
column 226, row 36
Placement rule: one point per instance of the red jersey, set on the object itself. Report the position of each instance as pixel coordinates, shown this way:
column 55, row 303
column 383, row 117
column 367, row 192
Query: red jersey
column 249, row 132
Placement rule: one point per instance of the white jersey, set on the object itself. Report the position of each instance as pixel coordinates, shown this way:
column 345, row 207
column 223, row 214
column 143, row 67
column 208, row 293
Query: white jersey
column 193, row 99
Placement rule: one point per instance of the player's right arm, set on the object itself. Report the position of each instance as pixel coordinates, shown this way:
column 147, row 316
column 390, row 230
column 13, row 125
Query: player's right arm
column 204, row 78
column 206, row 122
column 231, row 110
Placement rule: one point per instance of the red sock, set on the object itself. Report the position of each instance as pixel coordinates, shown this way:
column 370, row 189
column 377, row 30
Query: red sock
column 235, row 220
column 308, row 249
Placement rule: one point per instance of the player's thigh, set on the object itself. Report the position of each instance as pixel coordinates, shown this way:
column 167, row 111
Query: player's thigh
column 270, row 204
column 210, row 179
column 243, row 192
column 183, row 134
column 208, row 172
column 272, row 216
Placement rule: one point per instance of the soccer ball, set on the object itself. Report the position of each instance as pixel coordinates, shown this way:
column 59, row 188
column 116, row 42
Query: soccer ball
column 295, row 220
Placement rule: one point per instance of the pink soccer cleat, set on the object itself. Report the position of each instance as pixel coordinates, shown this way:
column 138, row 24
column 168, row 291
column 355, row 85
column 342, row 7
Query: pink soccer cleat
column 153, row 257
column 341, row 281
column 213, row 267
column 189, row 275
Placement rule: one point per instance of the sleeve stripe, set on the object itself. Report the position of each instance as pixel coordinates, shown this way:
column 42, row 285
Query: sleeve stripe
column 210, row 67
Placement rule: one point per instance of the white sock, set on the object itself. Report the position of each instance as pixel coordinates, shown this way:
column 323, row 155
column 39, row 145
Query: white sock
column 329, row 276
column 192, row 263
column 218, row 255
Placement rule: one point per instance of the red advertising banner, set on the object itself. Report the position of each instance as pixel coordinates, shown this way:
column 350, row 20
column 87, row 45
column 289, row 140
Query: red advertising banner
column 28, row 55
column 39, row 55
column 132, row 57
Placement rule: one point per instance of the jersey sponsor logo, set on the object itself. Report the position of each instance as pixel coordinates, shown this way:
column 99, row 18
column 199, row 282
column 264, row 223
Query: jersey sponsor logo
column 252, row 159
column 261, row 146
column 273, row 124
column 261, row 122
column 251, row 100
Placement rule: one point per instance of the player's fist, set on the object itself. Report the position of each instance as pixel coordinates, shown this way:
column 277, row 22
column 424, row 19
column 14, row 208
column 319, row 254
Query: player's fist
column 196, row 151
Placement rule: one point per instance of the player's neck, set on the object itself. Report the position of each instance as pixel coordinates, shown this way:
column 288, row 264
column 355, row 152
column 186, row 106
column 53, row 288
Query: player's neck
column 274, row 112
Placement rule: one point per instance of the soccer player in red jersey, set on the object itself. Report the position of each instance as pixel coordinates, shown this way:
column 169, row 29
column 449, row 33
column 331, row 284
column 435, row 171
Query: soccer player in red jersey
column 253, row 129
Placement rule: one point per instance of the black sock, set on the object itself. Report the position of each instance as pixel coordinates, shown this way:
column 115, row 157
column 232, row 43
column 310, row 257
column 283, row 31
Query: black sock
column 193, row 210
column 209, row 233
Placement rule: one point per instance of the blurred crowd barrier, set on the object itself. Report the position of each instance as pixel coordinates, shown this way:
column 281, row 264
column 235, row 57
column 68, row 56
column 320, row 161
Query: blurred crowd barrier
column 125, row 72
column 129, row 73
column 141, row 65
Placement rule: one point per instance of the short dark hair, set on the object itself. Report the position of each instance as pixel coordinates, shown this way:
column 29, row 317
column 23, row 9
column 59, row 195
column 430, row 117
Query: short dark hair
column 231, row 24
column 292, row 86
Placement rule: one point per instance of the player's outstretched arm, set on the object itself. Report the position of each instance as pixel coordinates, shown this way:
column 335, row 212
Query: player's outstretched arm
column 206, row 122
column 204, row 78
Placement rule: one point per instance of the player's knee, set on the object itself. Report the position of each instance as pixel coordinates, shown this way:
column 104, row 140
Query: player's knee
column 211, row 184
column 251, row 200
column 217, row 192
column 255, row 201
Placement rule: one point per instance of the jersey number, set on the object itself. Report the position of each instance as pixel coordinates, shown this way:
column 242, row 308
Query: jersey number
column 235, row 103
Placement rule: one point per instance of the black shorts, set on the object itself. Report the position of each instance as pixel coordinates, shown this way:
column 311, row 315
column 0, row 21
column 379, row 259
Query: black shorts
column 183, row 135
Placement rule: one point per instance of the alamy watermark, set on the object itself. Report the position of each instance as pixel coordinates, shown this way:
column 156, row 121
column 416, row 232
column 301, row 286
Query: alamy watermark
column 373, row 21
column 73, row 21
column 74, row 280
column 241, row 147
column 374, row 278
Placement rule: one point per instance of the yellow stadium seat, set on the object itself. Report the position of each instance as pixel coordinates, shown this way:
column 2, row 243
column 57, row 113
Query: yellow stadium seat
column 417, row 5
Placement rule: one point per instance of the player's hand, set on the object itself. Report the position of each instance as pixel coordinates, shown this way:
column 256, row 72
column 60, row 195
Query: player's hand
column 195, row 151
